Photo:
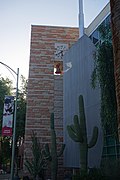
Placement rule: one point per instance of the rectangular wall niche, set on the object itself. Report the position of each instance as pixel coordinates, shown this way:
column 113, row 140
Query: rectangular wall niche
column 58, row 67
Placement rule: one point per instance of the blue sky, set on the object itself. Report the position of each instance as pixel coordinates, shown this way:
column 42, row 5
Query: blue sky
column 16, row 17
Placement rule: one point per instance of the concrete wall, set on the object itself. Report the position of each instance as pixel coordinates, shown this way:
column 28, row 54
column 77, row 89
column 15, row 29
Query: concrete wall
column 76, row 82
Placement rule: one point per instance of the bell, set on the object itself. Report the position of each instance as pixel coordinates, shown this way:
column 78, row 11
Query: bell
column 58, row 70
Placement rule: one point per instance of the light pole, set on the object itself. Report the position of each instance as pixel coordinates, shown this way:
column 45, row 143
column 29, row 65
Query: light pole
column 15, row 113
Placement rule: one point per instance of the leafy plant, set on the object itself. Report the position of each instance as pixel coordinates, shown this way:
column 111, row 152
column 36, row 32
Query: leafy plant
column 21, row 110
column 6, row 88
column 78, row 133
column 37, row 165
column 103, row 74
column 5, row 151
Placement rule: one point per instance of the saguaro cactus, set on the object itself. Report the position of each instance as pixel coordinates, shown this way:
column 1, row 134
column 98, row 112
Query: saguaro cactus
column 52, row 154
column 78, row 133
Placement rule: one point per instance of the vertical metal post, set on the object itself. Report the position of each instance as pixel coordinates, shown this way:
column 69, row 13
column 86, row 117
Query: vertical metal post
column 14, row 129
column 15, row 113
column 81, row 19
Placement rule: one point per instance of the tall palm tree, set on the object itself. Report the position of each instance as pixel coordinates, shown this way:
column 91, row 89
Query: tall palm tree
column 115, row 23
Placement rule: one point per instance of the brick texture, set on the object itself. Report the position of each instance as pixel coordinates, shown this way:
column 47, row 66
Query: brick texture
column 45, row 90
column 115, row 24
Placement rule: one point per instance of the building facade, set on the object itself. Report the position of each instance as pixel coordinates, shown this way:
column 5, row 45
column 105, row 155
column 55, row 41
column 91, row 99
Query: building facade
column 45, row 82
column 111, row 147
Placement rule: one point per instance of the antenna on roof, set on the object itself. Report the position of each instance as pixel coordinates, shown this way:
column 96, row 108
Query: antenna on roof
column 81, row 19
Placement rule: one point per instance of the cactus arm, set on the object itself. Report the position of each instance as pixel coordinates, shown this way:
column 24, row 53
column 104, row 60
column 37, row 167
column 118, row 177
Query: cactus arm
column 52, row 121
column 46, row 152
column 72, row 133
column 61, row 150
column 82, row 117
column 73, row 127
column 47, row 149
column 54, row 162
column 51, row 154
column 78, row 129
column 76, row 124
column 74, row 130
column 94, row 137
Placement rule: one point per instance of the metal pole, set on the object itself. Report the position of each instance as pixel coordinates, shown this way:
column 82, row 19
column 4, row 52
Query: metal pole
column 81, row 19
column 15, row 113
column 14, row 130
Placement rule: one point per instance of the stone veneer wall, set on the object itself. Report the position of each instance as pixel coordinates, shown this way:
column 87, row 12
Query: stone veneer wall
column 45, row 90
